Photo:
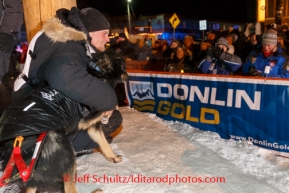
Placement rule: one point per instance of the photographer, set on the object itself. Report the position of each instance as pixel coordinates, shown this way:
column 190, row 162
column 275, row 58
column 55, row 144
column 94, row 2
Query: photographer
column 219, row 61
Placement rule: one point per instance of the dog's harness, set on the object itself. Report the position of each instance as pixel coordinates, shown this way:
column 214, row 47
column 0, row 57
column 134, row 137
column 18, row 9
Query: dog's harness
column 17, row 160
column 50, row 110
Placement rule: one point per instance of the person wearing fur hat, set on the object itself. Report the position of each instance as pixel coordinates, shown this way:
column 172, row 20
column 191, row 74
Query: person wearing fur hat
column 60, row 55
column 219, row 61
column 270, row 60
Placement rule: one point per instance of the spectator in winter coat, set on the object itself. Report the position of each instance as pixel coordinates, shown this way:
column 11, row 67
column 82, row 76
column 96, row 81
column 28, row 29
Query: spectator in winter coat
column 165, row 46
column 285, row 29
column 203, row 50
column 145, row 53
column 170, row 53
column 190, row 44
column 60, row 56
column 219, row 61
column 239, row 42
column 252, row 46
column 127, row 48
column 157, row 51
column 283, row 42
column 115, row 45
column 270, row 61
column 182, row 63
column 211, row 37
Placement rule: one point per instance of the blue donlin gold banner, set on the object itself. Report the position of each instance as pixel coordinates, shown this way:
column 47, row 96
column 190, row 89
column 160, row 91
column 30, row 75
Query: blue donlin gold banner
column 253, row 109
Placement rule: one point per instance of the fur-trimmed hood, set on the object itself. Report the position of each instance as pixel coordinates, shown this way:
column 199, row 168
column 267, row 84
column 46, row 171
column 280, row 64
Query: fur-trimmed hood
column 66, row 26
column 58, row 32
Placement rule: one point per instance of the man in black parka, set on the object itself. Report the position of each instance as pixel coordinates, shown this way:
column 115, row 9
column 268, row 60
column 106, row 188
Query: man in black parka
column 59, row 56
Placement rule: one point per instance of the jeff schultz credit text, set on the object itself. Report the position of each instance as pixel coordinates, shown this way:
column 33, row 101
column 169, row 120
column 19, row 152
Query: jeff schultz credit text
column 139, row 178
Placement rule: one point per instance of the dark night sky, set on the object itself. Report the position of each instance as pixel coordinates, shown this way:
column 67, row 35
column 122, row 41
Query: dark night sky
column 228, row 10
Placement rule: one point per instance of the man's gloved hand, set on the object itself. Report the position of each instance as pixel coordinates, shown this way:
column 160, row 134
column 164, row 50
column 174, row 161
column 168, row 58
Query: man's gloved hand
column 217, row 52
column 252, row 71
column 7, row 42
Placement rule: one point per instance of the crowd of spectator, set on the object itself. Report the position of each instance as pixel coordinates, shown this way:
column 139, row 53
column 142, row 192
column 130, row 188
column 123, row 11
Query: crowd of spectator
column 232, row 52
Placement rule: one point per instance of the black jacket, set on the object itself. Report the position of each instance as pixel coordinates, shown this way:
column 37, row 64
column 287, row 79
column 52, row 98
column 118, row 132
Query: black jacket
column 59, row 59
column 44, row 110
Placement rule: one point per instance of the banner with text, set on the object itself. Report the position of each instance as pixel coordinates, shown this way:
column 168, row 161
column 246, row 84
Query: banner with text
column 255, row 110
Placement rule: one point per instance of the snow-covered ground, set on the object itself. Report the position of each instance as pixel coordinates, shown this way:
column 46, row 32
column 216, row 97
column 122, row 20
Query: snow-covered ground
column 152, row 147
column 158, row 154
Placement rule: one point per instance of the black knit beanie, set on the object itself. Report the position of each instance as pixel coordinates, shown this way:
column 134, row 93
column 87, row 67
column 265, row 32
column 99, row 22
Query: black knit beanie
column 93, row 20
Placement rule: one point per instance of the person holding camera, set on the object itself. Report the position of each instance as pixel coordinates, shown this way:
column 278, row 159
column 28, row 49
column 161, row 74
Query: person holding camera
column 219, row 61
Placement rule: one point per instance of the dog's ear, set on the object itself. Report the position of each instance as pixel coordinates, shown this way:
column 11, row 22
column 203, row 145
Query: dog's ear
column 112, row 68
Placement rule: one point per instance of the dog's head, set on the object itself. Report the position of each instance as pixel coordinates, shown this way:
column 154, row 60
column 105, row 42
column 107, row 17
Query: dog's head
column 110, row 68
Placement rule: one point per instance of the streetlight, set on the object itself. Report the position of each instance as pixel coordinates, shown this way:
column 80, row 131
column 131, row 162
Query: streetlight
column 128, row 15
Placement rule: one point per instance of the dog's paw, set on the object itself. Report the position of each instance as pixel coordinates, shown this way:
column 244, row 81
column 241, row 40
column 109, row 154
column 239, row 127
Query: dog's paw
column 116, row 159
column 97, row 191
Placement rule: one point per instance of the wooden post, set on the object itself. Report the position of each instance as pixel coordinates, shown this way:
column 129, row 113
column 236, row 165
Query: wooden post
column 36, row 12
